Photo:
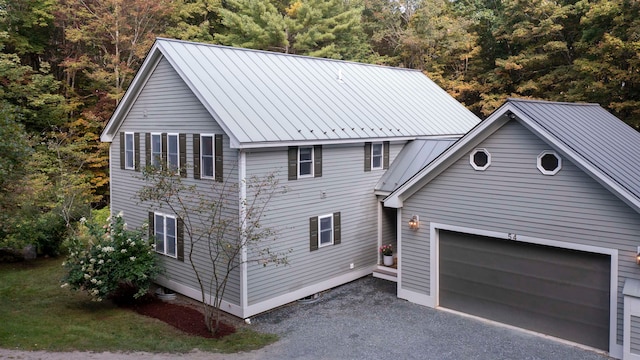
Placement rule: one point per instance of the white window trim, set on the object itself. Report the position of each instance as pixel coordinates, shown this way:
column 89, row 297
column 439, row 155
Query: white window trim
column 542, row 169
column 313, row 155
column 320, row 244
column 164, row 232
column 213, row 159
column 476, row 166
column 133, row 152
column 159, row 135
column 177, row 136
column 373, row 145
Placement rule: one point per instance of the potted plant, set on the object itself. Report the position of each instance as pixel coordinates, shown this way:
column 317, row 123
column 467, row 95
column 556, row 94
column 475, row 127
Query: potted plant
column 387, row 254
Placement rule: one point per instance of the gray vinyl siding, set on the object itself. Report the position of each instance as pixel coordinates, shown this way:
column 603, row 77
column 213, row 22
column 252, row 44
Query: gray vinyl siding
column 635, row 335
column 167, row 105
column 512, row 196
column 348, row 189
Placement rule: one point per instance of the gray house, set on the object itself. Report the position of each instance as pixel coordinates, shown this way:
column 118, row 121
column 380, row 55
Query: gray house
column 330, row 128
column 531, row 219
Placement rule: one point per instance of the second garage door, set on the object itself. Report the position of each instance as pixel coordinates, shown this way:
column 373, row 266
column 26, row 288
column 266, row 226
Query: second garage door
column 555, row 291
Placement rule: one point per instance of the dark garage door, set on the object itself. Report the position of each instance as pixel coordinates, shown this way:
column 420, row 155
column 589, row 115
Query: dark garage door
column 555, row 291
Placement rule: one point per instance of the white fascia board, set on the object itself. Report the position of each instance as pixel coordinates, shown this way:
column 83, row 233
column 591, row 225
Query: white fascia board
column 131, row 95
column 581, row 162
column 448, row 157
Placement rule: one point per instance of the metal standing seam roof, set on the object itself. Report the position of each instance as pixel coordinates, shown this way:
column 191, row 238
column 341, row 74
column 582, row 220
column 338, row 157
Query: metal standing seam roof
column 598, row 137
column 263, row 98
column 414, row 156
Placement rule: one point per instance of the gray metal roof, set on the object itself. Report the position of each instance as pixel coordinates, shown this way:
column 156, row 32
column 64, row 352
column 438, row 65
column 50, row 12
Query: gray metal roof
column 414, row 156
column 598, row 137
column 264, row 98
column 597, row 142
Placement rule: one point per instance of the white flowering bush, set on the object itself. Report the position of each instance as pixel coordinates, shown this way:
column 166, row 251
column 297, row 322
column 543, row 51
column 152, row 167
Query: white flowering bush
column 112, row 258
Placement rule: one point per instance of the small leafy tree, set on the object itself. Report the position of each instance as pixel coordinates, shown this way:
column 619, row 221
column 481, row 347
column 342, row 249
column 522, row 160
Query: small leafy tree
column 221, row 227
column 113, row 257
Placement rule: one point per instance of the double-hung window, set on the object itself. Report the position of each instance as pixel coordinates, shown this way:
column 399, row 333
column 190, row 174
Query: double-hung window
column 156, row 150
column 165, row 230
column 305, row 161
column 207, row 156
column 129, row 151
column 376, row 156
column 173, row 154
column 324, row 231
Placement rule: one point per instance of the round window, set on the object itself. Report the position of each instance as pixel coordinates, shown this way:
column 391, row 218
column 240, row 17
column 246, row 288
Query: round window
column 549, row 163
column 480, row 159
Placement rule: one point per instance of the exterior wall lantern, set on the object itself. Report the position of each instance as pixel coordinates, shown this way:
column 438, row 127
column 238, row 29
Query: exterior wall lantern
column 638, row 256
column 414, row 223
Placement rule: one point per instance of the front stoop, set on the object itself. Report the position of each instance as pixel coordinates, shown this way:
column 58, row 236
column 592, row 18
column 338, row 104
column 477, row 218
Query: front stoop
column 386, row 273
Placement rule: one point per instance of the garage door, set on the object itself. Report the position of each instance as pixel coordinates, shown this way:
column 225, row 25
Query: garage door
column 555, row 291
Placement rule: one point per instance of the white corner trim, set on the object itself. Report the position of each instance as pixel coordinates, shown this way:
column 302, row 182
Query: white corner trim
column 272, row 303
column 242, row 174
column 613, row 287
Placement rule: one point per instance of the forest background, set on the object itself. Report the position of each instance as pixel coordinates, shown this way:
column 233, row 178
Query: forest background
column 65, row 64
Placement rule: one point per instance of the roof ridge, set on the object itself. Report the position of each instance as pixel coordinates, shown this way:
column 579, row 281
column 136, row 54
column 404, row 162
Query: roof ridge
column 512, row 100
column 275, row 53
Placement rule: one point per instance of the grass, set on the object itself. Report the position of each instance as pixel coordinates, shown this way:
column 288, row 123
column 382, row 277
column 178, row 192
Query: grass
column 39, row 315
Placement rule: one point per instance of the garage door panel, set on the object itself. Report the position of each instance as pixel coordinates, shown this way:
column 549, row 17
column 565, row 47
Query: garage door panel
column 560, row 292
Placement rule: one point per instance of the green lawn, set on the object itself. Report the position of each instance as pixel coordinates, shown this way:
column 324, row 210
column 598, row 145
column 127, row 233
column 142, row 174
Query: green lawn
column 36, row 314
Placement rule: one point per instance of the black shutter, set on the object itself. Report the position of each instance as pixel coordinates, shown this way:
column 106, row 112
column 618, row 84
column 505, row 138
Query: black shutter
column 136, row 150
column 367, row 156
column 182, row 139
column 313, row 233
column 122, row 151
column 293, row 162
column 164, row 151
column 147, row 149
column 336, row 229
column 152, row 231
column 317, row 160
column 196, row 156
column 218, row 158
column 385, row 155
column 180, row 240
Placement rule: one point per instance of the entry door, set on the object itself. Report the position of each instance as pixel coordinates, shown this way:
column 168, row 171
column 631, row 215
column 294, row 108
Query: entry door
column 554, row 291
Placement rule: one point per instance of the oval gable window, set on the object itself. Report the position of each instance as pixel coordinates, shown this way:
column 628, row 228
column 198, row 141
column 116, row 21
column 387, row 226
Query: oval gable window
column 549, row 163
column 480, row 159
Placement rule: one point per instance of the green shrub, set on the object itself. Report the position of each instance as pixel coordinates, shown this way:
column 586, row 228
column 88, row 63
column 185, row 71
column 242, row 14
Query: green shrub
column 44, row 230
column 110, row 259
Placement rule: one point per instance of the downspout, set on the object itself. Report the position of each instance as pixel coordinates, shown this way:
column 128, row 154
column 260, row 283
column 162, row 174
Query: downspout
column 379, row 261
column 242, row 174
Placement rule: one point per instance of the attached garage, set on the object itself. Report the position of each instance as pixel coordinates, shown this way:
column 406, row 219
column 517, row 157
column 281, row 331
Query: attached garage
column 560, row 292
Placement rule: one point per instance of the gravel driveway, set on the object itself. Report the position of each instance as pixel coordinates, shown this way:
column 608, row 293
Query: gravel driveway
column 365, row 320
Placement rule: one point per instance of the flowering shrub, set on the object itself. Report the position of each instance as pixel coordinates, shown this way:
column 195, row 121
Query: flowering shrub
column 386, row 250
column 114, row 257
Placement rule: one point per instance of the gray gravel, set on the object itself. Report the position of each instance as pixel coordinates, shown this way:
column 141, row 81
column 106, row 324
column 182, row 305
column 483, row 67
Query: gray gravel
column 365, row 320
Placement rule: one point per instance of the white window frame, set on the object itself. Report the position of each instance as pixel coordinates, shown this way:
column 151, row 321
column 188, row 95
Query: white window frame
column 213, row 157
column 165, row 241
column 311, row 174
column 476, row 166
column 320, row 230
column 129, row 154
column 542, row 169
column 156, row 154
column 377, row 156
column 176, row 167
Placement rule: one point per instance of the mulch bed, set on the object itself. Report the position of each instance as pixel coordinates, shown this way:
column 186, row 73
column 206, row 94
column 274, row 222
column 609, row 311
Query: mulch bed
column 184, row 318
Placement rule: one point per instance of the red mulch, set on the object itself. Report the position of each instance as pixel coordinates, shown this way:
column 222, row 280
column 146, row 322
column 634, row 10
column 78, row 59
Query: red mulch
column 184, row 318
